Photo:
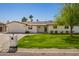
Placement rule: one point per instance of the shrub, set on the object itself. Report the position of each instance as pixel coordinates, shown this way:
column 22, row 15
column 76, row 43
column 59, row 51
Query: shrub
column 27, row 32
column 51, row 32
column 61, row 32
column 56, row 32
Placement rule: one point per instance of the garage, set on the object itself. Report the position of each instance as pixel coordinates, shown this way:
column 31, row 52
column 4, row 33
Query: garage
column 16, row 27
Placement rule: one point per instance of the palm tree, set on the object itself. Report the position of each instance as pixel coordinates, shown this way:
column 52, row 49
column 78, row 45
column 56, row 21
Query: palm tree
column 31, row 18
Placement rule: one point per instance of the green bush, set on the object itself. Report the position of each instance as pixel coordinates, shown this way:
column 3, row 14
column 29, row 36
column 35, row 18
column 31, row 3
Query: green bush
column 27, row 32
column 51, row 32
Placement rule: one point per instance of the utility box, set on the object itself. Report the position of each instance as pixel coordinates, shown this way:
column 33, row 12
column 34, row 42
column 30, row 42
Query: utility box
column 13, row 44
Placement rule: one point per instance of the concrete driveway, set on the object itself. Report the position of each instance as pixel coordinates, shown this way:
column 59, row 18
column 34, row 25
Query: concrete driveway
column 5, row 40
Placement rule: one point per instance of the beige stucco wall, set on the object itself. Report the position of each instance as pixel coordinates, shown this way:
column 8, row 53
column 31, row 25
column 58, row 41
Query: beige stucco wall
column 41, row 29
column 76, row 29
column 33, row 30
column 16, row 27
column 50, row 28
column 59, row 29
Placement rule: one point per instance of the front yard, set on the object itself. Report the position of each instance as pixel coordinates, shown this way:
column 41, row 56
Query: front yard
column 49, row 41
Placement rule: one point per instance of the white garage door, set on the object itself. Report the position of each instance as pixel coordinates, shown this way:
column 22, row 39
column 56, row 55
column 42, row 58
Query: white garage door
column 16, row 27
column 17, row 30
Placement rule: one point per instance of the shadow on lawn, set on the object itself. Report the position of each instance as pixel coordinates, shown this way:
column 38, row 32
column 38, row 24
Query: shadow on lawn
column 72, row 40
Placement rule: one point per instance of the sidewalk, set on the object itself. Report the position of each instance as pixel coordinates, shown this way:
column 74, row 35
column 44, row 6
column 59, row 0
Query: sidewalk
column 43, row 52
column 51, row 50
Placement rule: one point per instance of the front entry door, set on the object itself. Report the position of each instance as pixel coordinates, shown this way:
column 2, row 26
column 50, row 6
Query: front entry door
column 0, row 29
column 45, row 29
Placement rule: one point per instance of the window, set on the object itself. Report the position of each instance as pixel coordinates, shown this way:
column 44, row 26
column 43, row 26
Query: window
column 66, row 27
column 30, row 27
column 54, row 26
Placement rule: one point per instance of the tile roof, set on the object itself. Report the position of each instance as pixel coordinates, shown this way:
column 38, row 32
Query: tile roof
column 39, row 23
column 34, row 23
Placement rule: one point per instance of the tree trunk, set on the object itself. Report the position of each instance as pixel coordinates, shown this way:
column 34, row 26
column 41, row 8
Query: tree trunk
column 71, row 32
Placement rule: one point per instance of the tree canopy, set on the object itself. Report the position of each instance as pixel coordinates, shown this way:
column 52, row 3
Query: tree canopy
column 24, row 19
column 31, row 18
column 69, row 15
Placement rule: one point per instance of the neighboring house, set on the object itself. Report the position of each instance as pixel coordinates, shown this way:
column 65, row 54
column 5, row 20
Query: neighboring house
column 2, row 27
column 35, row 27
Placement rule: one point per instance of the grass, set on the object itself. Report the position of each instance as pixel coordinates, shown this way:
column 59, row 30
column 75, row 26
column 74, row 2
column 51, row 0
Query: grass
column 49, row 41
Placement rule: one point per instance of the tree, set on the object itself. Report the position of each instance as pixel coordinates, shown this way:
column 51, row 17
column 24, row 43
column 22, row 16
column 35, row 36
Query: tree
column 69, row 15
column 31, row 18
column 24, row 19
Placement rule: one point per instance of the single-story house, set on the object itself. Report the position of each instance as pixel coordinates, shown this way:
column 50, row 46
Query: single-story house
column 32, row 27
column 35, row 27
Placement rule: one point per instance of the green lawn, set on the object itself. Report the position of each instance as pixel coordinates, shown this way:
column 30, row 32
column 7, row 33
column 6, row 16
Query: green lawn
column 49, row 41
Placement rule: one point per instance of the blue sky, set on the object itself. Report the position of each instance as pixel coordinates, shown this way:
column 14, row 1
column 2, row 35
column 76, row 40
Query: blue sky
column 41, row 11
